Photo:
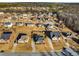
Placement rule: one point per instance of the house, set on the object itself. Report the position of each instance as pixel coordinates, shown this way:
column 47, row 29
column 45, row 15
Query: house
column 65, row 52
column 66, row 34
column 38, row 38
column 1, row 13
column 21, row 38
column 39, row 25
column 52, row 35
column 24, row 15
column 29, row 24
column 5, row 36
column 8, row 24
column 19, row 23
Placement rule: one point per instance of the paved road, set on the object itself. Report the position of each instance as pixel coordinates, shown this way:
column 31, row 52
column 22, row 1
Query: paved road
column 37, row 54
